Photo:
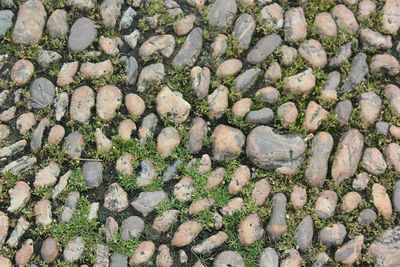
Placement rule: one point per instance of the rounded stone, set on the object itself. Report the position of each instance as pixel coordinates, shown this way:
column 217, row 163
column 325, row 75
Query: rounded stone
column 49, row 250
column 229, row 67
column 83, row 33
column 56, row 134
column 135, row 104
column 42, row 93
column 22, row 71
column 108, row 101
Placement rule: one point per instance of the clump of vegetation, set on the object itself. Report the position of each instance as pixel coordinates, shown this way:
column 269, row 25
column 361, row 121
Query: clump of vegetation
column 234, row 48
column 76, row 182
column 125, row 247
column 79, row 225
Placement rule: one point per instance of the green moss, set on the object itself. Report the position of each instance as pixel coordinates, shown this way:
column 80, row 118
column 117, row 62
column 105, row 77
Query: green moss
column 155, row 7
column 169, row 204
column 331, row 46
column 52, row 153
column 128, row 182
column 76, row 182
column 251, row 254
column 210, row 33
column 143, row 26
column 126, row 247
column 7, row 181
column 238, row 122
column 43, row 192
column 17, row 50
column 79, row 225
column 234, row 49
column 313, row 7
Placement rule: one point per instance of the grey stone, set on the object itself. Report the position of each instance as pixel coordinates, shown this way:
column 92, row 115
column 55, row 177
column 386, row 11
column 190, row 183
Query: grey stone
column 131, row 69
column 119, row 260
column 11, row 150
column 74, row 249
column 367, row 216
column 261, row 116
column 132, row 227
column 246, row 80
column 272, row 151
column 149, row 124
column 318, row 163
column 190, row 49
column 74, row 145
column 222, row 13
column 132, row 38
column 304, row 233
column 263, row 48
column 348, row 155
column 127, row 18
column 343, row 111
column 93, row 173
column 42, row 93
column 197, row 132
column 83, row 33
column 47, row 58
column 149, row 75
column 172, row 171
column 332, row 235
column 373, row 161
column 268, row 95
column 6, row 21
column 343, row 54
column 61, row 104
column 115, row 198
column 20, row 165
column 146, row 202
column 269, row 258
column 244, row 29
column 17, row 232
column 82, row 4
column 333, row 81
column 147, row 173
column 386, row 248
column 277, row 224
column 396, row 196
column 36, row 142
column 359, row 69
column 382, row 127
